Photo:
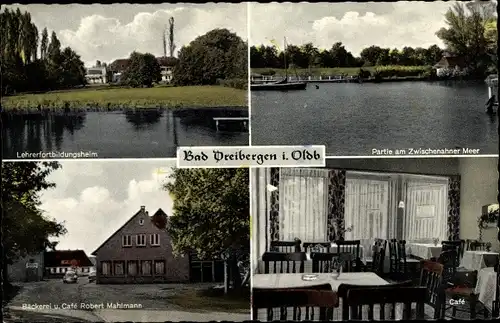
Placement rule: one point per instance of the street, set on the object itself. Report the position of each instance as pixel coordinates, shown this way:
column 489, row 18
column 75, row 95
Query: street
column 53, row 300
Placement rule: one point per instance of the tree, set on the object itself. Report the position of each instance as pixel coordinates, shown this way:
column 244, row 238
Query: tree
column 72, row 69
column 44, row 44
column 211, row 213
column 218, row 54
column 171, row 44
column 142, row 70
column 465, row 35
column 26, row 229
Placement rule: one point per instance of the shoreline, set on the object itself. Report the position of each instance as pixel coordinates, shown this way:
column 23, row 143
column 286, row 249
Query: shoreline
column 118, row 108
column 374, row 80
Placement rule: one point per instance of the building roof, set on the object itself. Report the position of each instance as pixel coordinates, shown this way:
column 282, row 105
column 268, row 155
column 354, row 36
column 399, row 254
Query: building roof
column 450, row 61
column 66, row 258
column 159, row 219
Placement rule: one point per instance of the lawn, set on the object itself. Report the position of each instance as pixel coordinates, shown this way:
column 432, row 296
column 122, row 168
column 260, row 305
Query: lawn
column 350, row 71
column 185, row 96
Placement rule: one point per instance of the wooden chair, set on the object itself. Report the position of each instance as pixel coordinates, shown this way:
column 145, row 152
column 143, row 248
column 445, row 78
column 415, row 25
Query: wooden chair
column 377, row 263
column 449, row 261
column 457, row 245
column 468, row 243
column 462, row 288
column 398, row 261
column 343, row 290
column 311, row 246
column 326, row 262
column 353, row 247
column 295, row 299
column 431, row 277
column 286, row 246
column 358, row 297
column 287, row 261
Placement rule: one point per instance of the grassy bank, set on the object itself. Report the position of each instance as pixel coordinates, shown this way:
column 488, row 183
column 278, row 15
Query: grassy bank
column 119, row 98
column 350, row 71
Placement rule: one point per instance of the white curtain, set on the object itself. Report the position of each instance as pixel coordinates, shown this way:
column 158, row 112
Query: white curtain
column 367, row 208
column 426, row 208
column 303, row 198
column 259, row 180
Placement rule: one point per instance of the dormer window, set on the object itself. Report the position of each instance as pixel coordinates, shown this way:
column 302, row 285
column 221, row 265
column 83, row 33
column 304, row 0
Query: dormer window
column 141, row 222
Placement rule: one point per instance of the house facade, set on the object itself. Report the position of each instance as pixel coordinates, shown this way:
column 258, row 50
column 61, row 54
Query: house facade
column 141, row 252
column 27, row 268
column 96, row 75
column 58, row 262
column 450, row 66
column 119, row 66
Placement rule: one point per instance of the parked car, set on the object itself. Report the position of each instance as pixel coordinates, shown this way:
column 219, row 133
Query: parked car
column 70, row 277
column 92, row 276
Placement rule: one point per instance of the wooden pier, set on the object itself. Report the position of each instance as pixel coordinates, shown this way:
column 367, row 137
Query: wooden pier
column 218, row 121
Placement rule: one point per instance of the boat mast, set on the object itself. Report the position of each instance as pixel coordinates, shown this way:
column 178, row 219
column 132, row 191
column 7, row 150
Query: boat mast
column 284, row 58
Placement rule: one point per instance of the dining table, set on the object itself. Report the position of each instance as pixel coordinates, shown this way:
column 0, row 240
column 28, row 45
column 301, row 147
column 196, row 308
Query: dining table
column 485, row 286
column 477, row 260
column 280, row 281
column 423, row 250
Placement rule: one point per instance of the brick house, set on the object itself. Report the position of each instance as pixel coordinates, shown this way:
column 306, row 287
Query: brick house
column 141, row 252
column 58, row 262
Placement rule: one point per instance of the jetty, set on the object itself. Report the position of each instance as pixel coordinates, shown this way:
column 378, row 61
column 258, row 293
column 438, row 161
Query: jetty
column 220, row 120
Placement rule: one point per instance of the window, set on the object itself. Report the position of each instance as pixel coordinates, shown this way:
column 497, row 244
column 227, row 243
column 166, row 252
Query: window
column 154, row 239
column 303, row 198
column 146, row 267
column 52, row 270
column 159, row 267
column 132, row 268
column 106, row 267
column 141, row 240
column 141, row 221
column 127, row 241
column 119, row 268
column 373, row 208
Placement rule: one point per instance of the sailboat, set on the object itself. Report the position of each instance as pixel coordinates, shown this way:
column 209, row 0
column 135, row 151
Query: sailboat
column 283, row 85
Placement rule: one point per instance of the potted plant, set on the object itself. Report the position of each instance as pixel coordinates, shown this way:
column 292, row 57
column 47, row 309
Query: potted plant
column 436, row 241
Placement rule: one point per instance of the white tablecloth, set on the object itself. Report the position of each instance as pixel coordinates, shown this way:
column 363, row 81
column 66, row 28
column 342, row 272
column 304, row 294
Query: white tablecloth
column 485, row 287
column 423, row 250
column 477, row 260
column 295, row 280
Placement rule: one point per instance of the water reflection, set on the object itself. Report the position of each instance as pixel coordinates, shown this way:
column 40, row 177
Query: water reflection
column 130, row 134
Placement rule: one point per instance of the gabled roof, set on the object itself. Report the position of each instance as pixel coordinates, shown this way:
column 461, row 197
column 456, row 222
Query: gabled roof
column 159, row 219
column 64, row 258
column 450, row 61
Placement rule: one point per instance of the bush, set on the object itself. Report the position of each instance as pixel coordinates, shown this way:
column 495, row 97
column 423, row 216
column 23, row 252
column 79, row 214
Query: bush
column 240, row 84
column 401, row 71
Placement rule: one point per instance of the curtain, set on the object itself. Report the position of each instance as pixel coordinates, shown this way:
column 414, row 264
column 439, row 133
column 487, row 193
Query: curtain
column 106, row 268
column 426, row 210
column 259, row 180
column 146, row 267
column 132, row 268
column 303, row 204
column 159, row 267
column 367, row 209
column 119, row 268
column 454, row 208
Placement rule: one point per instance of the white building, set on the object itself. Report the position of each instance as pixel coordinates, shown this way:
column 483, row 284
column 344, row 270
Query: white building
column 96, row 75
column 166, row 73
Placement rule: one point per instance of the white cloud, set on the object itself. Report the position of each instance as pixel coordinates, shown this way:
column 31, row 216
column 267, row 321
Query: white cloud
column 114, row 193
column 107, row 38
column 356, row 25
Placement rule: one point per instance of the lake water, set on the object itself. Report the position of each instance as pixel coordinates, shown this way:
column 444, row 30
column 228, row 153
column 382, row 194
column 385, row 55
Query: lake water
column 352, row 119
column 131, row 134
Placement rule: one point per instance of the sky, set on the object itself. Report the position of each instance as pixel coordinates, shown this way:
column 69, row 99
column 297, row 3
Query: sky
column 356, row 25
column 94, row 199
column 108, row 32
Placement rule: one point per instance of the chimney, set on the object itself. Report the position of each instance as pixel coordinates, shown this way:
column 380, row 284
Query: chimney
column 147, row 213
column 143, row 208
